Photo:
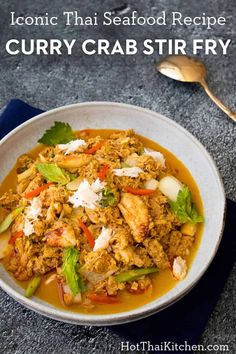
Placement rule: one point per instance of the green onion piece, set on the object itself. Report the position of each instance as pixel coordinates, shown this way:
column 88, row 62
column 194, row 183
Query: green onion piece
column 134, row 274
column 9, row 219
column 33, row 286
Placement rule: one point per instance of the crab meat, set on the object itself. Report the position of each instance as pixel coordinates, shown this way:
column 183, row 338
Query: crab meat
column 72, row 146
column 128, row 172
column 35, row 209
column 69, row 298
column 29, row 173
column 132, row 160
column 28, row 228
column 63, row 236
column 135, row 213
column 32, row 213
column 128, row 256
column 73, row 161
column 156, row 155
column 179, row 268
column 87, row 195
column 50, row 279
column 102, row 242
column 151, row 184
column 66, row 296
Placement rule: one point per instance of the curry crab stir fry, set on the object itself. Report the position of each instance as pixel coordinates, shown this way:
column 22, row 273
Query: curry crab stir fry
column 98, row 215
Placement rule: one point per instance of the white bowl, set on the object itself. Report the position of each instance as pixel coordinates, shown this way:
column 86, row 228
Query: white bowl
column 158, row 128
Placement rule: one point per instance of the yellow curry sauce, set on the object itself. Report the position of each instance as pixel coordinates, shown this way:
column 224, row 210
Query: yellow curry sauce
column 162, row 281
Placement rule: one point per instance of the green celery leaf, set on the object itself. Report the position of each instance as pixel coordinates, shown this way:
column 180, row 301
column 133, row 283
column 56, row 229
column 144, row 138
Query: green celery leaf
column 70, row 270
column 60, row 133
column 184, row 209
column 195, row 217
column 53, row 173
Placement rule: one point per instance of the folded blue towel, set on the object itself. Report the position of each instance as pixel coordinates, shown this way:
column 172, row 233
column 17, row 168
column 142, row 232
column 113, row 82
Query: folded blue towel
column 185, row 320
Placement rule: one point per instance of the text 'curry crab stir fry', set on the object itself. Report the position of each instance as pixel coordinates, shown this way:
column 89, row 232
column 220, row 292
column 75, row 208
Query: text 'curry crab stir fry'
column 97, row 215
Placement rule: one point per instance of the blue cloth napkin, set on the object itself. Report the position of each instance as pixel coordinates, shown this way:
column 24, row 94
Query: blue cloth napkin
column 185, row 320
column 14, row 114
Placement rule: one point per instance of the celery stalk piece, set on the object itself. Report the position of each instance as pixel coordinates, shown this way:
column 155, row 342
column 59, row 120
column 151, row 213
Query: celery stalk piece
column 33, row 286
column 9, row 219
column 134, row 274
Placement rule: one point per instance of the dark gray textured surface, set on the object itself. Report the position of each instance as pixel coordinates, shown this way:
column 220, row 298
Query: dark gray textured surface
column 48, row 82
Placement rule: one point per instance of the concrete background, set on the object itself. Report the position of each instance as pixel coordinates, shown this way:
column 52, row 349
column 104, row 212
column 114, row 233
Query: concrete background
column 48, row 82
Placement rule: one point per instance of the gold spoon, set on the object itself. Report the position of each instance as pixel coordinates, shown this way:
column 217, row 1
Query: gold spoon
column 188, row 69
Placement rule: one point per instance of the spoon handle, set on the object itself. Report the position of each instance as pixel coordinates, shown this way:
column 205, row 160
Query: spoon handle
column 217, row 101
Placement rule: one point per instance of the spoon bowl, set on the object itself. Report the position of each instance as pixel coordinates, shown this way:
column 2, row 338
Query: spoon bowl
column 182, row 68
column 188, row 69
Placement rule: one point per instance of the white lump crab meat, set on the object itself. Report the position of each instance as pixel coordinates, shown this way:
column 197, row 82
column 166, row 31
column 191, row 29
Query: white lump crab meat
column 135, row 213
column 68, row 296
column 179, row 268
column 151, row 184
column 128, row 172
column 103, row 240
column 33, row 211
column 62, row 236
column 72, row 146
column 156, row 155
column 88, row 195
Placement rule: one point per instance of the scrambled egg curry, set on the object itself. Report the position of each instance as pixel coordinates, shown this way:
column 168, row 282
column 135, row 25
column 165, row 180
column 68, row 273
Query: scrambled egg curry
column 98, row 221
